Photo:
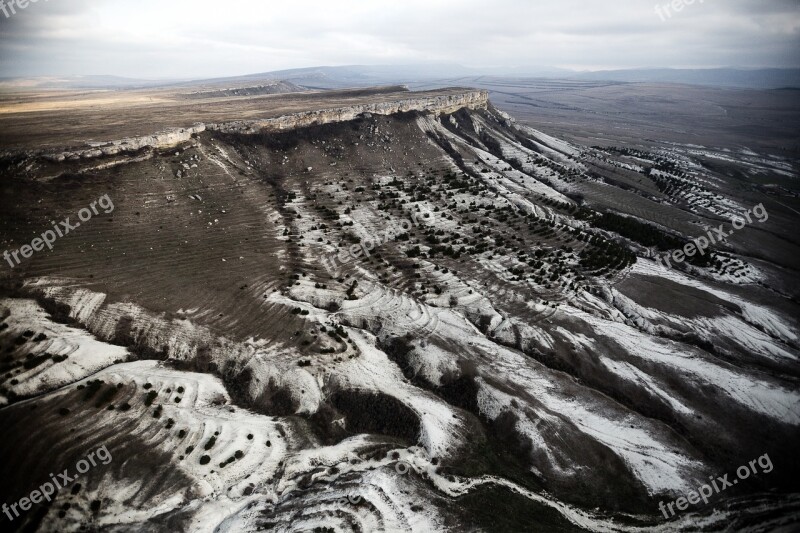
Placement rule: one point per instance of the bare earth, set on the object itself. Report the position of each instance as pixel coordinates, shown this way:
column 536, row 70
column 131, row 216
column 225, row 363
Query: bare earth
column 44, row 119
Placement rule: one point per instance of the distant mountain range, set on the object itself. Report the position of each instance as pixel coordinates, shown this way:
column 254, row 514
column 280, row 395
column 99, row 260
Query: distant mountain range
column 324, row 77
column 348, row 76
column 772, row 78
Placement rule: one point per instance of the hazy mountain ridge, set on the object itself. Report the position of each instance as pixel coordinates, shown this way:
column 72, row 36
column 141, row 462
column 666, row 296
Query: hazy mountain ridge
column 325, row 77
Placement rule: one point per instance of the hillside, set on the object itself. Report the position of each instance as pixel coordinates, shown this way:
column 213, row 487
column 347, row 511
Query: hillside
column 379, row 309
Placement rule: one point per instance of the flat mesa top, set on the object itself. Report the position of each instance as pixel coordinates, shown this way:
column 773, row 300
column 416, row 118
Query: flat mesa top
column 33, row 120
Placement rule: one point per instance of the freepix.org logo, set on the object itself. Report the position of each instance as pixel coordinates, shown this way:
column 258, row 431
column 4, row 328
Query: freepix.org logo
column 47, row 491
column 61, row 229
column 9, row 7
column 666, row 11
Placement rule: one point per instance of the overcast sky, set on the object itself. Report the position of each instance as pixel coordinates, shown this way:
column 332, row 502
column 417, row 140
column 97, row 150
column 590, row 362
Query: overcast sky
column 198, row 38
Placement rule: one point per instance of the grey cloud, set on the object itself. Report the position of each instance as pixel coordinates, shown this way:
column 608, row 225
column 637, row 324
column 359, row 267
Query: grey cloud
column 201, row 38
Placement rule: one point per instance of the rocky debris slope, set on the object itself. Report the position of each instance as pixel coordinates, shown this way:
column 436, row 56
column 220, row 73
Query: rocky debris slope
column 448, row 103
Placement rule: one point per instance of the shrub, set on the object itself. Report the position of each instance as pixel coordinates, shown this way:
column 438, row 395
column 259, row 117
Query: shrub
column 107, row 396
column 91, row 389
column 35, row 361
column 150, row 398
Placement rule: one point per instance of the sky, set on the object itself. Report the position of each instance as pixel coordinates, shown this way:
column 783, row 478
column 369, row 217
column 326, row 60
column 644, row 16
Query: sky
column 172, row 39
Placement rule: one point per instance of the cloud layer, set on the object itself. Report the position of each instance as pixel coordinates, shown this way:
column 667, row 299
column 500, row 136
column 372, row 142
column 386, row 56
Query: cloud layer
column 199, row 38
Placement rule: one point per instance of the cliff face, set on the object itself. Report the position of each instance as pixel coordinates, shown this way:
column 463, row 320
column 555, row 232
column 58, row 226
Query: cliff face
column 161, row 140
column 435, row 104
column 448, row 103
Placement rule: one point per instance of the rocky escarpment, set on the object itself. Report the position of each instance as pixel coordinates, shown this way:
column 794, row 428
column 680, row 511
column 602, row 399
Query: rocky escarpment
column 273, row 88
column 445, row 103
column 435, row 104
column 161, row 140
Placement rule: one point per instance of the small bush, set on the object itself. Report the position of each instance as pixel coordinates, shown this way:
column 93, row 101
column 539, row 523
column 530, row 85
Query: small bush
column 150, row 398
column 107, row 396
column 92, row 387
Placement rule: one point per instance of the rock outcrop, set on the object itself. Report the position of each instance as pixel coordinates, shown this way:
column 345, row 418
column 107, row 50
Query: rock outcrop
column 445, row 103
column 434, row 104
column 160, row 140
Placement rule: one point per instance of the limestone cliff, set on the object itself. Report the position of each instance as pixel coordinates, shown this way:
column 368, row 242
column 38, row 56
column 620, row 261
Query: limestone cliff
column 434, row 104
column 445, row 103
